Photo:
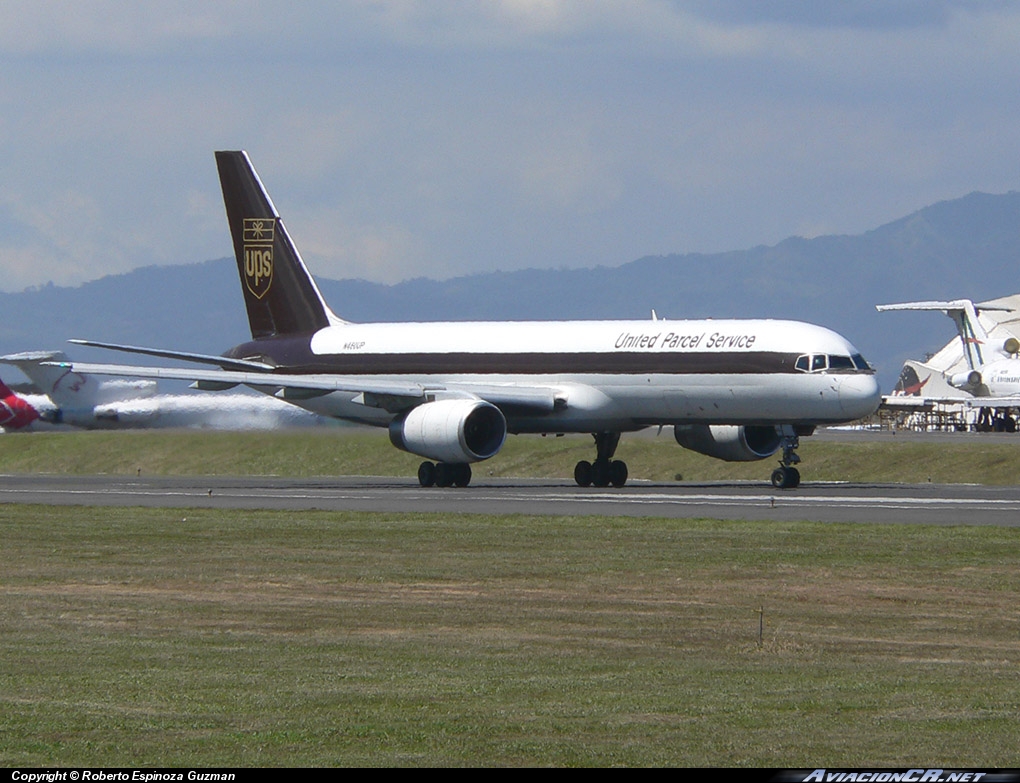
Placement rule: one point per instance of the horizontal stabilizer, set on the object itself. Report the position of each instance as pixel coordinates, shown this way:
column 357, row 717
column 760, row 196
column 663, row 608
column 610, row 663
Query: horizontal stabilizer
column 964, row 314
column 945, row 307
column 201, row 358
column 31, row 357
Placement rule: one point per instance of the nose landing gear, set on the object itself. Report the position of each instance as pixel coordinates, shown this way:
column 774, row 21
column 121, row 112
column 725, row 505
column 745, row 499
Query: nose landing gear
column 786, row 476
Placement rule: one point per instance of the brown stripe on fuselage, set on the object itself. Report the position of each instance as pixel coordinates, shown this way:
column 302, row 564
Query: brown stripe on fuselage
column 294, row 356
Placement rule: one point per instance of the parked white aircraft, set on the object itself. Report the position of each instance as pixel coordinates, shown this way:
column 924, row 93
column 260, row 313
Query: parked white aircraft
column 992, row 373
column 81, row 400
column 450, row 392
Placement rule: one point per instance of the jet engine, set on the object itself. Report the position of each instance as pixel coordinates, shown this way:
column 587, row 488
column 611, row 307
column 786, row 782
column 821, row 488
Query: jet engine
column 729, row 442
column 455, row 431
column 1010, row 346
column 966, row 380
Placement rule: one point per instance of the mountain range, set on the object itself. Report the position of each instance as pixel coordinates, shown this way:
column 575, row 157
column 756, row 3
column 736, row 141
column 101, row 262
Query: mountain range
column 965, row 247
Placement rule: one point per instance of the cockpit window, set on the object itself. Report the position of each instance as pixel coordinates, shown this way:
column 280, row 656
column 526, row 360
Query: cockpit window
column 820, row 362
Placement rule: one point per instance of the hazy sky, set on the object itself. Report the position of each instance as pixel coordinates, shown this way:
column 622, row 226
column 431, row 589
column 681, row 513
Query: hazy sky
column 405, row 138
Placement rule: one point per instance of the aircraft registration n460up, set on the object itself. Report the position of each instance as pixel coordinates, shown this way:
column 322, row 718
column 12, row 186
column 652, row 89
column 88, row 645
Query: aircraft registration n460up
column 451, row 392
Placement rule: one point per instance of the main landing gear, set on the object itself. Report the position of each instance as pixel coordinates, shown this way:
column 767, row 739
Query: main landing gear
column 605, row 470
column 444, row 474
column 786, row 476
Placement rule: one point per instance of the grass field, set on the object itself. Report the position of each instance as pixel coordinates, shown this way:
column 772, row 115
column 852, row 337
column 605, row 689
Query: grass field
column 137, row 637
column 992, row 459
column 152, row 637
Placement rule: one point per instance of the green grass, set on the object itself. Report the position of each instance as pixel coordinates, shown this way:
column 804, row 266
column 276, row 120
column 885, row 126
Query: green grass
column 133, row 637
column 989, row 460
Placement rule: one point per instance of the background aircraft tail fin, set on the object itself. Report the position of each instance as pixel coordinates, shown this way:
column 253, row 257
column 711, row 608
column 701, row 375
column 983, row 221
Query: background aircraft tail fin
column 58, row 383
column 71, row 390
column 15, row 412
column 280, row 295
column 973, row 336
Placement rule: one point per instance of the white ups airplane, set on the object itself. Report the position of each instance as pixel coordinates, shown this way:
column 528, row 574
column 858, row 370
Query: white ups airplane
column 451, row 392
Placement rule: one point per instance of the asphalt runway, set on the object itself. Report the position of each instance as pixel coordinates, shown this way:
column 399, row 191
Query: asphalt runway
column 836, row 502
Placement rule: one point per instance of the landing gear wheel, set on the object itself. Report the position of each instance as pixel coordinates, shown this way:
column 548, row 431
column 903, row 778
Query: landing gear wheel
column 785, row 478
column 779, row 478
column 427, row 474
column 617, row 473
column 461, row 474
column 444, row 474
column 582, row 473
column 604, row 470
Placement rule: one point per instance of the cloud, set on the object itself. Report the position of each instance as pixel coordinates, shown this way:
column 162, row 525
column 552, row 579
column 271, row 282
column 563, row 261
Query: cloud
column 404, row 137
column 67, row 27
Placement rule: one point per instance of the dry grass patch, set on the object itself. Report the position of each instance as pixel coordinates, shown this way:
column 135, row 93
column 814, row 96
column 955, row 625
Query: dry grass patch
column 133, row 637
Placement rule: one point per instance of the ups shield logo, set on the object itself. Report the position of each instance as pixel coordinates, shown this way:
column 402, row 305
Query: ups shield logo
column 258, row 254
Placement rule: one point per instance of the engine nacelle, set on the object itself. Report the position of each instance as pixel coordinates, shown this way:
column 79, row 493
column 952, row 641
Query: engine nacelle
column 729, row 442
column 966, row 380
column 451, row 430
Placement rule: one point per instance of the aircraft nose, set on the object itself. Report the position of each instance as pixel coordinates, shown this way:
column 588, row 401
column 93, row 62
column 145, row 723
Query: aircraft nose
column 859, row 395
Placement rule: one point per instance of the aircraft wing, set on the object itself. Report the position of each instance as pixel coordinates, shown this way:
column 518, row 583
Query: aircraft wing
column 992, row 402
column 903, row 402
column 908, row 403
column 393, row 396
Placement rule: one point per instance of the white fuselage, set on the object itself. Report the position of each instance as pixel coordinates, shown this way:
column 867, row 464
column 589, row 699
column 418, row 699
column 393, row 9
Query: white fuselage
column 171, row 411
column 1001, row 378
column 610, row 375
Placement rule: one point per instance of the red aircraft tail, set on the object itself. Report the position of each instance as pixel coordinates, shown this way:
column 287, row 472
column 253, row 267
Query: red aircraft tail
column 15, row 413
